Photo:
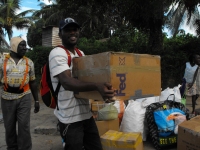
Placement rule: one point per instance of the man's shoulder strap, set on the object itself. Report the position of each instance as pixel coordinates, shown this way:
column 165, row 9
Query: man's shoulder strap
column 5, row 75
column 68, row 54
column 26, row 72
column 78, row 52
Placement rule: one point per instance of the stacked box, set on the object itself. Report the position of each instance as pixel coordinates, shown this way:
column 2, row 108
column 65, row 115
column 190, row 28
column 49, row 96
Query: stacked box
column 97, row 105
column 104, row 126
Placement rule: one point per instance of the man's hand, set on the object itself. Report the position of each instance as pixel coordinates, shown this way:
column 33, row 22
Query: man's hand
column 106, row 90
column 37, row 107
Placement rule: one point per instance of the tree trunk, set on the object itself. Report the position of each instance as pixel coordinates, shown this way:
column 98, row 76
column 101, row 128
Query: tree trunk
column 155, row 35
column 4, row 41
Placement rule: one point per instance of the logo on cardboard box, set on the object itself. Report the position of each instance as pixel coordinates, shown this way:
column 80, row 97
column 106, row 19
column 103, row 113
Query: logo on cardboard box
column 122, row 84
column 122, row 61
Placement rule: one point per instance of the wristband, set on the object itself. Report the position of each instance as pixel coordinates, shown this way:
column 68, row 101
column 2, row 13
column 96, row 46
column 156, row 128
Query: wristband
column 37, row 101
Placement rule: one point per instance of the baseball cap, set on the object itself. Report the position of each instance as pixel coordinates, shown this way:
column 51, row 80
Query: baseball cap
column 66, row 22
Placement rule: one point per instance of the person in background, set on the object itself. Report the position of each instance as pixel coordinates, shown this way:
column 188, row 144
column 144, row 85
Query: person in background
column 190, row 77
column 18, row 78
column 77, row 126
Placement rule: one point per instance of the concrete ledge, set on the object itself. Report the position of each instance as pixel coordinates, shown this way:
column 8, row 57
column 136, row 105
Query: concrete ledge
column 45, row 130
column 49, row 126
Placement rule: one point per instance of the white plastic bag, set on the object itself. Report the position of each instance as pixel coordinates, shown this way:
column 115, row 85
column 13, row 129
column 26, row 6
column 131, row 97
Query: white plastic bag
column 148, row 100
column 177, row 94
column 133, row 119
column 171, row 94
column 165, row 94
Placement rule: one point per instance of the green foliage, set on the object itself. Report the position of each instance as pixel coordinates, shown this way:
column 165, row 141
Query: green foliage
column 128, row 40
column 92, row 46
column 9, row 17
column 39, row 56
column 124, row 40
column 4, row 50
column 34, row 35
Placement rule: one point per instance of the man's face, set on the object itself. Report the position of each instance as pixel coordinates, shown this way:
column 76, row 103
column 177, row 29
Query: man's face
column 21, row 49
column 70, row 35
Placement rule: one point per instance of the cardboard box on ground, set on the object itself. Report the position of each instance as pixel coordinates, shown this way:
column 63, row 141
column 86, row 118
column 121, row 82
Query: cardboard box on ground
column 189, row 134
column 104, row 126
column 114, row 140
column 132, row 75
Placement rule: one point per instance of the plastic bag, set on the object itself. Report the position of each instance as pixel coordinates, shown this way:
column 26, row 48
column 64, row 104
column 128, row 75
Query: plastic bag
column 133, row 119
column 109, row 112
column 120, row 108
column 169, row 92
column 160, row 131
column 148, row 100
column 183, row 100
column 165, row 120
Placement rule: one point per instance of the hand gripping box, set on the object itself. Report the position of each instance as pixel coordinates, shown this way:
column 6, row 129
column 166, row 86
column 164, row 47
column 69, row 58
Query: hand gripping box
column 132, row 75
column 114, row 140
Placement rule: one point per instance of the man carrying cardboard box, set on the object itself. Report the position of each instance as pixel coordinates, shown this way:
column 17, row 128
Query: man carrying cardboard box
column 77, row 126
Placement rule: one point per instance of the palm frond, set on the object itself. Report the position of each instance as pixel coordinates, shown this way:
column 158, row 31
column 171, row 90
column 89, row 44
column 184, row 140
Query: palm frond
column 24, row 13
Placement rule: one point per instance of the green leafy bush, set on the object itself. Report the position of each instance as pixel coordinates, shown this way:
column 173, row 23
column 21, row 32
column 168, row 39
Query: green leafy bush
column 39, row 55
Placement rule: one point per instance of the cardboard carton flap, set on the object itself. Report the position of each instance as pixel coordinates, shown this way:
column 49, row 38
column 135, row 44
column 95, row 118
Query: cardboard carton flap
column 189, row 134
column 192, row 125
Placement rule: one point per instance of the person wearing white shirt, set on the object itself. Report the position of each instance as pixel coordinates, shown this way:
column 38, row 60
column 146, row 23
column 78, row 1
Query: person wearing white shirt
column 190, row 75
column 77, row 126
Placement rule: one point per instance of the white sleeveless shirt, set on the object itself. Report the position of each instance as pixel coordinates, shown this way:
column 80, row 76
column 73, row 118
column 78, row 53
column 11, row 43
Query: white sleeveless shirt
column 189, row 72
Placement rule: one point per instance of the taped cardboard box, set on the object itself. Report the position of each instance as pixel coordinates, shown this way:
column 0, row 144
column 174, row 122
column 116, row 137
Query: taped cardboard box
column 132, row 75
column 104, row 126
column 97, row 105
column 189, row 134
column 114, row 140
column 90, row 103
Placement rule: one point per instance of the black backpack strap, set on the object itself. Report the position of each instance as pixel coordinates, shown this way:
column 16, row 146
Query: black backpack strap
column 56, row 94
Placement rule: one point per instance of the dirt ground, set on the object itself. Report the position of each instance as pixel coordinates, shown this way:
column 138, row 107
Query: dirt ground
column 45, row 120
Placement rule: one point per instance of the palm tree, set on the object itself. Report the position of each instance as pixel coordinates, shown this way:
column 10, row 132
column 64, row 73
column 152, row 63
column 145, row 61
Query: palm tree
column 9, row 17
column 181, row 11
column 51, row 14
column 147, row 16
column 94, row 16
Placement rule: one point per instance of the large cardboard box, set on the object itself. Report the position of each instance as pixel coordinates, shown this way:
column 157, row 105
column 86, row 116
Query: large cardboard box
column 104, row 126
column 132, row 75
column 114, row 140
column 189, row 134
